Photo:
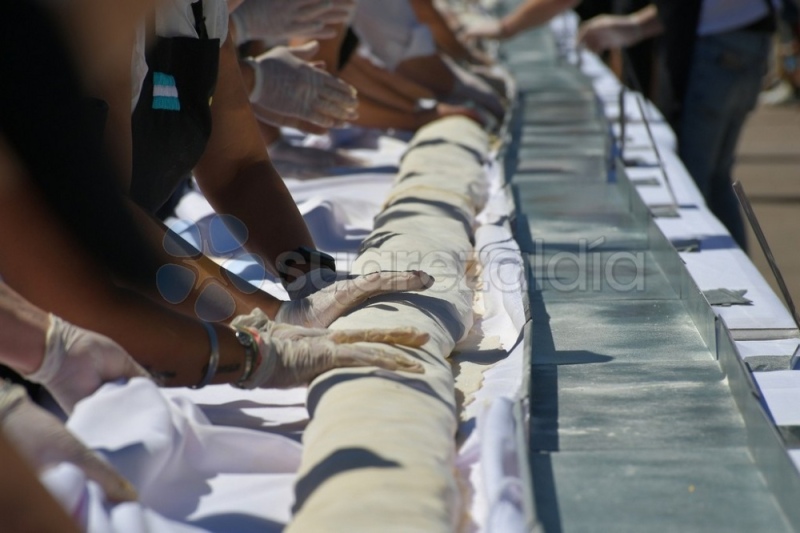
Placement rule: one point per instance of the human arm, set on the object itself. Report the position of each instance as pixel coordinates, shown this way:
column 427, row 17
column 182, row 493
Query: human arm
column 45, row 267
column 381, row 85
column 237, row 177
column 390, row 100
column 44, row 441
column 70, row 362
column 329, row 48
column 454, row 85
column 446, row 39
column 21, row 492
column 619, row 31
column 23, row 329
column 529, row 14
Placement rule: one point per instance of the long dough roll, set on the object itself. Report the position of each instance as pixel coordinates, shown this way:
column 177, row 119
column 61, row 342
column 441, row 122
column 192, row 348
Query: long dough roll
column 379, row 450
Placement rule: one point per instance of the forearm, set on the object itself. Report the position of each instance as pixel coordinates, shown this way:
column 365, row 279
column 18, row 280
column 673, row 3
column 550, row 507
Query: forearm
column 329, row 49
column 376, row 90
column 237, row 177
column 228, row 301
column 258, row 197
column 648, row 22
column 25, row 504
column 443, row 34
column 364, row 75
column 372, row 114
column 533, row 13
column 46, row 268
column 23, row 329
column 430, row 72
column 173, row 347
column 233, row 4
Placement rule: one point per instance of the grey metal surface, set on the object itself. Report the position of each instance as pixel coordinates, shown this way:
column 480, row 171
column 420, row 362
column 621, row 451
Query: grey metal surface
column 560, row 113
column 546, row 144
column 766, row 444
column 561, row 78
column 667, row 490
column 567, row 275
column 642, row 415
column 609, row 232
column 663, row 405
column 630, row 331
column 584, row 169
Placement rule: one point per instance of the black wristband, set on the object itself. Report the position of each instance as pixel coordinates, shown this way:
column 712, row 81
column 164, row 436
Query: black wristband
column 303, row 256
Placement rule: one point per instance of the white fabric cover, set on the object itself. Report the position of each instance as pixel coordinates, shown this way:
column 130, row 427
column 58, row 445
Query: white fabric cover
column 176, row 458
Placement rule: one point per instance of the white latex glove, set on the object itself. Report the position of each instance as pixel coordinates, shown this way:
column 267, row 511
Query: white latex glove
column 605, row 32
column 44, row 441
column 485, row 29
column 320, row 309
column 285, row 83
column 282, row 19
column 77, row 361
column 291, row 356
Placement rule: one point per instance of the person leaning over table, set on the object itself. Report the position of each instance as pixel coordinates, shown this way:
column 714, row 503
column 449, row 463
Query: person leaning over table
column 191, row 115
column 395, row 66
column 529, row 14
column 393, row 37
column 66, row 236
column 284, row 88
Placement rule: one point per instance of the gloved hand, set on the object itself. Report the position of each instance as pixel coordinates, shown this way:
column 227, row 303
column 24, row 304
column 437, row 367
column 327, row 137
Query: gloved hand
column 604, row 32
column 320, row 309
column 77, row 361
column 44, row 441
column 485, row 29
column 282, row 19
column 291, row 356
column 286, row 84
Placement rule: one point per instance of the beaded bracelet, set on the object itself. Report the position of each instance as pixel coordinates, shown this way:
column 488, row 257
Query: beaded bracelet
column 213, row 358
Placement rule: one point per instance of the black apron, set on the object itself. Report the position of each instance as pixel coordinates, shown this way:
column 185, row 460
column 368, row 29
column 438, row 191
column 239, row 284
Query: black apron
column 172, row 120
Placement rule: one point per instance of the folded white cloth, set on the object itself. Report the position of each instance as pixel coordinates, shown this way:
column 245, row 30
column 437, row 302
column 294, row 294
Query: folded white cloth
column 190, row 475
